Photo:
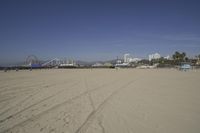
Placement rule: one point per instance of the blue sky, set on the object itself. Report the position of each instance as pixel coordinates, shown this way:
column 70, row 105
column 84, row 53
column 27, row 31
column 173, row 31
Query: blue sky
column 97, row 30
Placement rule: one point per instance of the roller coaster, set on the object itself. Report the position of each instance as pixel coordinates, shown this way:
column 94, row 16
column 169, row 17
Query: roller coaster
column 32, row 61
column 53, row 62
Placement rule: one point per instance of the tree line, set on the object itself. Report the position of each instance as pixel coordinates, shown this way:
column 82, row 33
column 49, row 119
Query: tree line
column 177, row 59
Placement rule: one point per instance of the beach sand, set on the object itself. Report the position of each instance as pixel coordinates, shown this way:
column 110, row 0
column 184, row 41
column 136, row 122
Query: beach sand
column 100, row 101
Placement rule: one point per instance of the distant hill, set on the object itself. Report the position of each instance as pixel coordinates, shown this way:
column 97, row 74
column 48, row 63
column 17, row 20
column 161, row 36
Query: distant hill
column 93, row 62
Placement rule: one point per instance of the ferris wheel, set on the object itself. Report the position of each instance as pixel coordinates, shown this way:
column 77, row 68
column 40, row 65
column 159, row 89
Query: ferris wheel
column 32, row 59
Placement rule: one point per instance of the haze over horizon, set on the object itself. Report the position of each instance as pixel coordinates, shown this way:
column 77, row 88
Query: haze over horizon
column 97, row 30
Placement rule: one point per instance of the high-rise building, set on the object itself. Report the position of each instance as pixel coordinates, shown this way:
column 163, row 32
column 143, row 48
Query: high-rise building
column 127, row 57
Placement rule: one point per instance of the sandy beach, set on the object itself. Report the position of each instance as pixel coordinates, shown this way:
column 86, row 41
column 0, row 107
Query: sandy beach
column 100, row 101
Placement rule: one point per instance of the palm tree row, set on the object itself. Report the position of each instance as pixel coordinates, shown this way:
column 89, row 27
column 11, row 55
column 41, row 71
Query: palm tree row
column 179, row 57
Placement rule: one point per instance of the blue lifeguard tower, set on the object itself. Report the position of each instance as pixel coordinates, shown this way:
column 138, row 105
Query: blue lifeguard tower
column 185, row 66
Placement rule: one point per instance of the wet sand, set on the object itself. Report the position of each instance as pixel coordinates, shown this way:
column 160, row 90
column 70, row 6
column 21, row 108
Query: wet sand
column 100, row 101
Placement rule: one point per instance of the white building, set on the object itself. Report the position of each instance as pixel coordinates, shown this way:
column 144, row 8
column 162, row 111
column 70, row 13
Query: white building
column 167, row 57
column 154, row 56
column 134, row 59
column 97, row 65
column 66, row 63
column 122, row 65
column 127, row 57
column 119, row 62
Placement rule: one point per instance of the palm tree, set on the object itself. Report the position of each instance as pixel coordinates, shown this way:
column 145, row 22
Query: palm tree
column 183, row 56
column 176, row 57
column 179, row 57
column 186, row 59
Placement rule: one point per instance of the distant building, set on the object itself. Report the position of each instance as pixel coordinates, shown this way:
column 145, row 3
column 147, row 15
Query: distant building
column 167, row 57
column 127, row 58
column 119, row 61
column 108, row 64
column 198, row 62
column 65, row 65
column 97, row 65
column 134, row 59
column 68, row 63
column 122, row 65
column 154, row 56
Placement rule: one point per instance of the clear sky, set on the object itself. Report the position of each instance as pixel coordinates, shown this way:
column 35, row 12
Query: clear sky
column 97, row 29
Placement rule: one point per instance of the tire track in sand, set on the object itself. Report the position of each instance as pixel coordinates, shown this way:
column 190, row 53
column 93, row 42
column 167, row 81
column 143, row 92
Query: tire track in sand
column 58, row 105
column 83, row 128
column 89, row 94
column 37, row 91
column 12, row 115
column 29, row 96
